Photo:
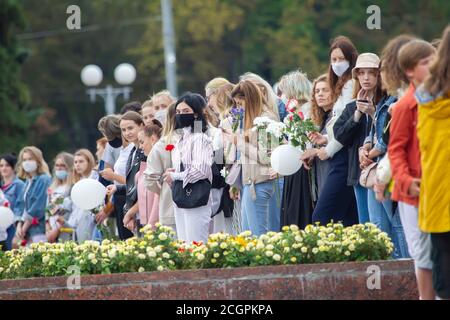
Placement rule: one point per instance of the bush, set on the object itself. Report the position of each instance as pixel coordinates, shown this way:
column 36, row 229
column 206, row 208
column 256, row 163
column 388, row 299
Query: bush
column 157, row 251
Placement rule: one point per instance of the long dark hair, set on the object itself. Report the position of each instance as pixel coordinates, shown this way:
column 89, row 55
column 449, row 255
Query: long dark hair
column 350, row 54
column 198, row 104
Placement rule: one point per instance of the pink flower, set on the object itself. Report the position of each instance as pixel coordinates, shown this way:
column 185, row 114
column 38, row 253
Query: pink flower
column 301, row 115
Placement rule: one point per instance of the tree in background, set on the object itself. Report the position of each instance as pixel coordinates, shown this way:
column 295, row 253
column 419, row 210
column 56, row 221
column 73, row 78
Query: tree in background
column 14, row 97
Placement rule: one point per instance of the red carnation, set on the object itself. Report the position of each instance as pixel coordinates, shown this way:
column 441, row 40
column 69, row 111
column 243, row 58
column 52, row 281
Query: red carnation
column 23, row 243
column 170, row 147
column 181, row 250
column 6, row 204
column 35, row 221
column 291, row 117
column 301, row 115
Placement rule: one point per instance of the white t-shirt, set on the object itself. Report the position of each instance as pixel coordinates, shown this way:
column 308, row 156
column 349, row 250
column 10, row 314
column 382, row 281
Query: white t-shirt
column 120, row 167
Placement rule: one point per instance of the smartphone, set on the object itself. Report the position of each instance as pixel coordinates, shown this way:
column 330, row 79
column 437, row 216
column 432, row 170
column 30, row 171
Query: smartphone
column 363, row 101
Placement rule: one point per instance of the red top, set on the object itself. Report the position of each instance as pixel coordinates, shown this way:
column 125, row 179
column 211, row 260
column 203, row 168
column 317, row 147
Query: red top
column 403, row 148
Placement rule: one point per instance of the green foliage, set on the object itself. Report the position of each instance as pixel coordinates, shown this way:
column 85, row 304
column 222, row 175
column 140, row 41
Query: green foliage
column 14, row 97
column 213, row 38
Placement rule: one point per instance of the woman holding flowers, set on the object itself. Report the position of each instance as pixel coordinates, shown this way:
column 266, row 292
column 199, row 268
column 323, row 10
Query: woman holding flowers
column 58, row 191
column 297, row 203
column 34, row 169
column 262, row 188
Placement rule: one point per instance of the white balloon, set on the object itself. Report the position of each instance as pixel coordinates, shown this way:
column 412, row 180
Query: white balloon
column 6, row 217
column 285, row 160
column 88, row 194
column 125, row 74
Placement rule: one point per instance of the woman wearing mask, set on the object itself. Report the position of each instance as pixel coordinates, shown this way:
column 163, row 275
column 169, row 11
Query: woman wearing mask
column 337, row 200
column 12, row 188
column 297, row 202
column 262, row 188
column 130, row 124
column 33, row 168
column 158, row 161
column 58, row 191
column 146, row 210
column 192, row 161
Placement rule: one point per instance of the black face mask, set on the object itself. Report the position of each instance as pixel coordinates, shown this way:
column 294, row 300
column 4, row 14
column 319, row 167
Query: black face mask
column 184, row 120
column 116, row 143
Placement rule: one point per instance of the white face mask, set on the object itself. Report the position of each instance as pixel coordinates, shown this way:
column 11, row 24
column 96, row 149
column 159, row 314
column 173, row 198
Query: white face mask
column 339, row 68
column 29, row 166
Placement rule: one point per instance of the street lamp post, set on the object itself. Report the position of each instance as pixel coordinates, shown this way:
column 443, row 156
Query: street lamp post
column 124, row 74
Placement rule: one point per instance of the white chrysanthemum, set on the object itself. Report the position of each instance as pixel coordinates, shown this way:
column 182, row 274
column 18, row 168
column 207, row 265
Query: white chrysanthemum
column 276, row 257
column 160, row 268
column 45, row 259
column 269, row 253
column 162, row 236
column 141, row 269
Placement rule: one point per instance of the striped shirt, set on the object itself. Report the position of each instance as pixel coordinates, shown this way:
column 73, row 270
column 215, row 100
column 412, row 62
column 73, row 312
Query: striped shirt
column 196, row 152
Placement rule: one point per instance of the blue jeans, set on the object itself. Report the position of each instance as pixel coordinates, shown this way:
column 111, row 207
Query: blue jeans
column 11, row 233
column 382, row 215
column 262, row 214
column 361, row 202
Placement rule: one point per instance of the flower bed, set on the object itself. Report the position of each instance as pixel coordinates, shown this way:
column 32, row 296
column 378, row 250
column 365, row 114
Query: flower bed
column 157, row 251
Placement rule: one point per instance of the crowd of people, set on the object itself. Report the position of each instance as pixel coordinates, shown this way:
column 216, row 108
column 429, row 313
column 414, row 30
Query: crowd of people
column 195, row 163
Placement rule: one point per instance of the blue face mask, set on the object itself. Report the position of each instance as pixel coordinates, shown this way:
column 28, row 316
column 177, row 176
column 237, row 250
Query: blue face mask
column 61, row 174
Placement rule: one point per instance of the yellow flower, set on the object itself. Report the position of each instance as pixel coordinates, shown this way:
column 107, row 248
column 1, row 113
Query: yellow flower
column 165, row 255
column 94, row 261
column 213, row 260
column 351, row 247
column 315, row 250
column 304, row 249
column 45, row 259
column 200, row 256
column 223, row 245
column 293, row 228
column 285, row 228
column 216, row 255
column 294, row 259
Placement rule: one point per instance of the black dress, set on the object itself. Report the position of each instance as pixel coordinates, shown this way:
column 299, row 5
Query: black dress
column 297, row 204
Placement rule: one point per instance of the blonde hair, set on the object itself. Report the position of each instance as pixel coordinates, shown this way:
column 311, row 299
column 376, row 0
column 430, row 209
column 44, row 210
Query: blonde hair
column 269, row 95
column 295, row 85
column 67, row 158
column 161, row 94
column 89, row 157
column 223, row 99
column 213, row 85
column 169, row 126
column 36, row 154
